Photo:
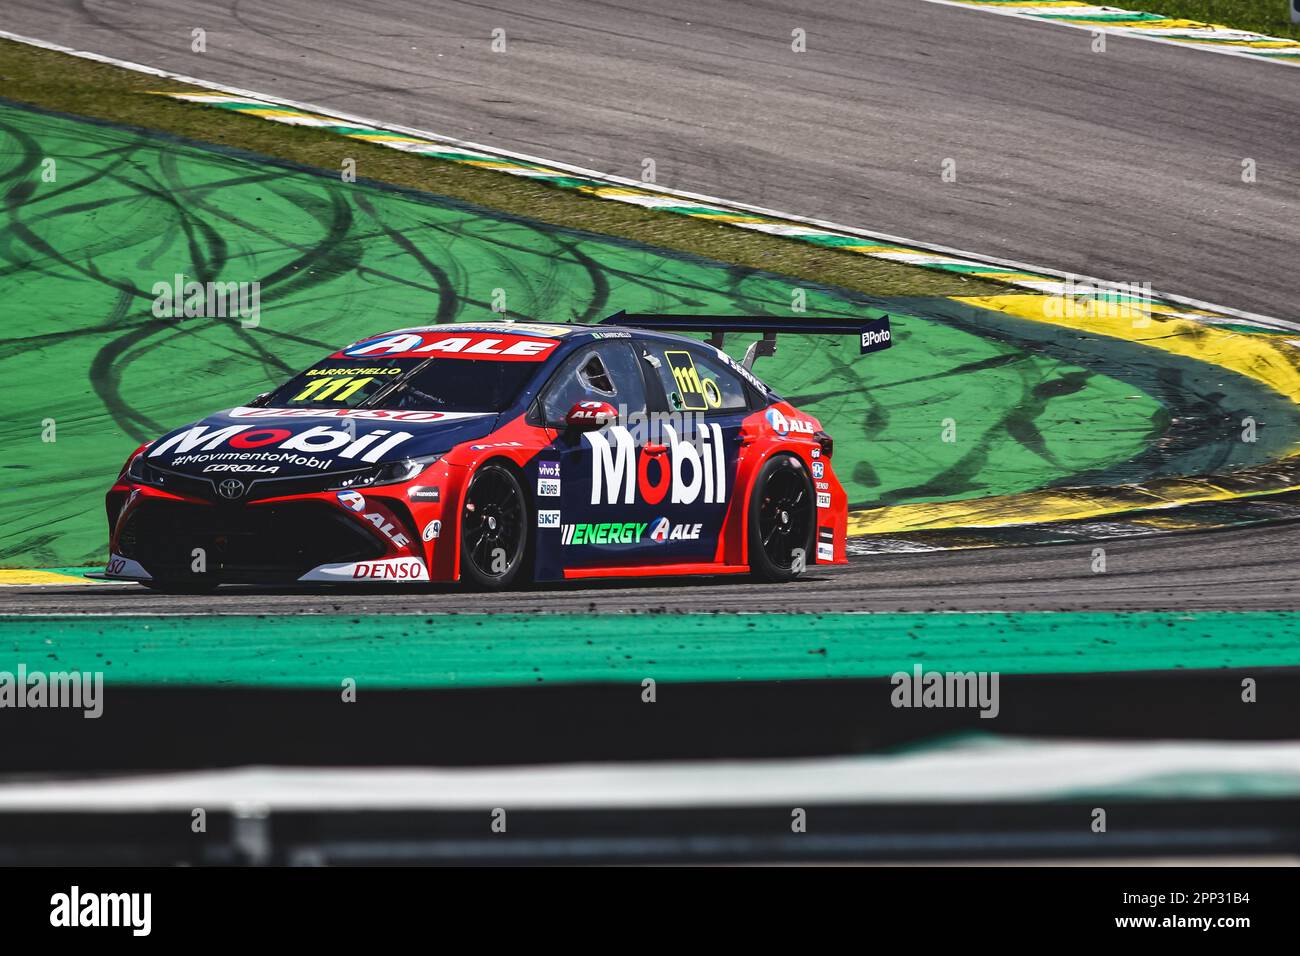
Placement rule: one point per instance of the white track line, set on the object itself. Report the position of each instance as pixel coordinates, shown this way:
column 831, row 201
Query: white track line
column 1010, row 264
column 1012, row 769
column 1122, row 32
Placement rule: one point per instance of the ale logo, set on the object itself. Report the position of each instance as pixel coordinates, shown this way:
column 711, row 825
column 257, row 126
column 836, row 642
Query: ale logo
column 352, row 500
column 783, row 426
column 661, row 530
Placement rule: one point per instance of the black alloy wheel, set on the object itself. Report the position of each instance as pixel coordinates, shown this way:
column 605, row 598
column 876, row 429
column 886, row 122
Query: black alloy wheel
column 493, row 529
column 782, row 520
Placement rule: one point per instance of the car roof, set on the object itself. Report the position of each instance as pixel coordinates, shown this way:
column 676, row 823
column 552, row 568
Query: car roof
column 567, row 332
column 520, row 328
column 547, row 329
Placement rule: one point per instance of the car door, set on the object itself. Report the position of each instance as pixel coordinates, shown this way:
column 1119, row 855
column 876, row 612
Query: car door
column 588, row 512
column 705, row 404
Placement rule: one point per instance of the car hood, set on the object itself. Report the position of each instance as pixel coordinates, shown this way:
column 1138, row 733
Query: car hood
column 268, row 443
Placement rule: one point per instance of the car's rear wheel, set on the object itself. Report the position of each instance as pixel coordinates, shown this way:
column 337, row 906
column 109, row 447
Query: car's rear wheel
column 782, row 519
column 493, row 529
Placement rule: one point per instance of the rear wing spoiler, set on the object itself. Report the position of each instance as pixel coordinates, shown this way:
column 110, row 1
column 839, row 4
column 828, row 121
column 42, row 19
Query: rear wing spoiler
column 873, row 334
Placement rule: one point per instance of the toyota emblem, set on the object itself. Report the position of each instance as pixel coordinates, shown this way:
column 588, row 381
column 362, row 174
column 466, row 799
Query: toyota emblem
column 231, row 489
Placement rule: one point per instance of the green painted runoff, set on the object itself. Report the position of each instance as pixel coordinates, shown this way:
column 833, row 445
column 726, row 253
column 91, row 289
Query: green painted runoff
column 84, row 241
column 463, row 650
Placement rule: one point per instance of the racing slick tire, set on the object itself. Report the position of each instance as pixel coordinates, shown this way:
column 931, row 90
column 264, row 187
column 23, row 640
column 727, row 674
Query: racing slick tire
column 494, row 521
column 782, row 520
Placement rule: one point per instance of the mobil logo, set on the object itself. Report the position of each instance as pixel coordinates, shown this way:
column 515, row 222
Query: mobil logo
column 784, row 426
column 320, row 438
column 681, row 471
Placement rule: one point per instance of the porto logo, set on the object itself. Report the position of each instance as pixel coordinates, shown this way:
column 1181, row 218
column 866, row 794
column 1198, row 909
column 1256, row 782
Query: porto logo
column 690, row 471
column 231, row 489
column 875, row 339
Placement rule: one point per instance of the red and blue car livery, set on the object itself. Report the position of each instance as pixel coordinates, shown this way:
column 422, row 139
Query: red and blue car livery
column 493, row 454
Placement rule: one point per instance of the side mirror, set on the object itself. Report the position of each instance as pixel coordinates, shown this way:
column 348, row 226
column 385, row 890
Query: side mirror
column 590, row 416
column 257, row 402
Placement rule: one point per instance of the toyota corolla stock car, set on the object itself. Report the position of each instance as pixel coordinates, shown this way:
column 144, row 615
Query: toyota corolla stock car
column 494, row 454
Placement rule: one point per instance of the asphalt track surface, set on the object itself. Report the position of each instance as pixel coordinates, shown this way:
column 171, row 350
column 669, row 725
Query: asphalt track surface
column 1245, row 569
column 1125, row 164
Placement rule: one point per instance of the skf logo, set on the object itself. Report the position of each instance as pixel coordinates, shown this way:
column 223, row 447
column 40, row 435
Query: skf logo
column 783, row 426
column 548, row 519
column 692, row 471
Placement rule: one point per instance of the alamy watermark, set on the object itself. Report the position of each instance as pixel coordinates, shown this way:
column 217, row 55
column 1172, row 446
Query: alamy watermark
column 926, row 689
column 1124, row 301
column 179, row 299
column 35, row 690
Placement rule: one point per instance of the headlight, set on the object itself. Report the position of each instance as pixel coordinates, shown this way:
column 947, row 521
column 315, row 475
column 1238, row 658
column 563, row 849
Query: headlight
column 143, row 473
column 390, row 473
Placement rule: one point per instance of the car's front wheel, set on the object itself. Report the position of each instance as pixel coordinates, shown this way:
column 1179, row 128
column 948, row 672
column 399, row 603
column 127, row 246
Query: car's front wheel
column 493, row 529
column 782, row 519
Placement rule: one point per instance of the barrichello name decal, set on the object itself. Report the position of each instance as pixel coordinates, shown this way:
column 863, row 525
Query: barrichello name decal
column 318, row 439
column 690, row 471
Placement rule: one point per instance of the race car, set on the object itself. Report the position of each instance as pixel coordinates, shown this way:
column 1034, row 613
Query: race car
column 493, row 454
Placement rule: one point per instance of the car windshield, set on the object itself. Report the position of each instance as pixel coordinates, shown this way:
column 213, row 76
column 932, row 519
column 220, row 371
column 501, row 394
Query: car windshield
column 440, row 384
